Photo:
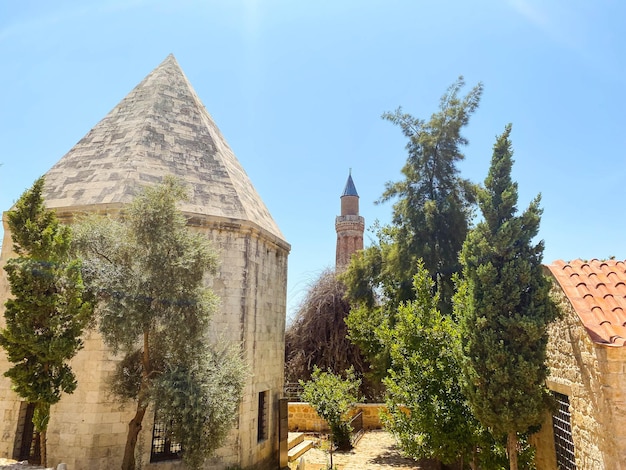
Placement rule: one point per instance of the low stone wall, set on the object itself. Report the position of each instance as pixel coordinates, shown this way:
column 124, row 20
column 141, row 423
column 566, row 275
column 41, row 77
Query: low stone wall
column 371, row 415
column 303, row 418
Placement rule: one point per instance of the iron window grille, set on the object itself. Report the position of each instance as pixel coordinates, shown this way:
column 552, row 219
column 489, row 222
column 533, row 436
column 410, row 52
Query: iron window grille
column 262, row 419
column 563, row 441
column 162, row 446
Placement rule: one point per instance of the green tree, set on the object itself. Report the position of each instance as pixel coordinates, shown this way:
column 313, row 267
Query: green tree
column 148, row 272
column 333, row 398
column 504, row 308
column 199, row 401
column 48, row 311
column 427, row 411
column 431, row 217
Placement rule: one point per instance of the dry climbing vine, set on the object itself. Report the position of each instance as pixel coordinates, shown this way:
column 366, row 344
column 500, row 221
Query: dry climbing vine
column 318, row 334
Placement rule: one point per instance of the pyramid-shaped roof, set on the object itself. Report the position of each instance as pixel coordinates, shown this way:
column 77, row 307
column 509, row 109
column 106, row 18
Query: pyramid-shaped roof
column 160, row 128
column 350, row 189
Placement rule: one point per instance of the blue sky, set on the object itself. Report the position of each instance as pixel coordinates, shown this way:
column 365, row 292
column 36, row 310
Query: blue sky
column 298, row 87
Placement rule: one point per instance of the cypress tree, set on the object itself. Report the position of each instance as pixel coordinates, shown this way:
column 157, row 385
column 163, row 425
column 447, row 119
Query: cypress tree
column 48, row 311
column 504, row 308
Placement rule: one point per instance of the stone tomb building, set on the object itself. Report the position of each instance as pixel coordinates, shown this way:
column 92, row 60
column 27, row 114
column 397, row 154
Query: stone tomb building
column 161, row 128
column 587, row 361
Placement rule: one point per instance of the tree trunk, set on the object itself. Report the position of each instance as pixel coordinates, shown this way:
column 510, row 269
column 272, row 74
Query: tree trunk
column 41, row 417
column 474, row 464
column 134, row 426
column 42, row 448
column 511, row 449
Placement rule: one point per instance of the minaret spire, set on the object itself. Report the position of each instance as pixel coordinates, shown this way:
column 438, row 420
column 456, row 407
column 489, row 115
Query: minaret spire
column 349, row 226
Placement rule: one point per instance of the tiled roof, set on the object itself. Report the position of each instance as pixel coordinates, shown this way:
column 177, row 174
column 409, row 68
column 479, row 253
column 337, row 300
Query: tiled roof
column 597, row 291
column 160, row 128
column 350, row 189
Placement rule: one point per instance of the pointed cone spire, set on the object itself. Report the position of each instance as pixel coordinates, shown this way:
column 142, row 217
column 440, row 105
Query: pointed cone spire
column 350, row 189
column 160, row 128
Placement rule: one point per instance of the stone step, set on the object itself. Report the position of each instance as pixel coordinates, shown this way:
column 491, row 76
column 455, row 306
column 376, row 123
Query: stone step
column 300, row 449
column 294, row 438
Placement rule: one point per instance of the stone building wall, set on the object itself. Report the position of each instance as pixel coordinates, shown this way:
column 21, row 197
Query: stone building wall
column 593, row 377
column 9, row 404
column 88, row 428
column 252, row 285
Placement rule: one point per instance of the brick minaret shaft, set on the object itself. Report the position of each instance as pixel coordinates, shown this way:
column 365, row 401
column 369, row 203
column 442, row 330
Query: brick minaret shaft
column 349, row 226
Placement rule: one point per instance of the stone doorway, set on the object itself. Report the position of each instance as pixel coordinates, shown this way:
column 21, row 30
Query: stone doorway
column 26, row 439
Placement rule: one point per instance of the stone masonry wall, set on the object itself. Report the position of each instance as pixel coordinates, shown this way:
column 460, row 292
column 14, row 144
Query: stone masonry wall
column 252, row 283
column 303, row 418
column 594, row 378
column 88, row 429
column 9, row 403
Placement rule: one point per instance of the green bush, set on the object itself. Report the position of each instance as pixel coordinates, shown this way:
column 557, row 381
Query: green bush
column 333, row 397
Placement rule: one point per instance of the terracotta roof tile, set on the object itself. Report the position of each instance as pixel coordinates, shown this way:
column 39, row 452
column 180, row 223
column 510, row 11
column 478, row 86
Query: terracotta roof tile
column 597, row 291
column 611, row 302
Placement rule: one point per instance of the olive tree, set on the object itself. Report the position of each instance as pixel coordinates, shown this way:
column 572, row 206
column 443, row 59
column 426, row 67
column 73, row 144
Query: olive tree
column 148, row 272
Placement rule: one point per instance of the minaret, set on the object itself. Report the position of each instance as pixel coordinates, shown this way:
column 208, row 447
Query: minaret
column 349, row 226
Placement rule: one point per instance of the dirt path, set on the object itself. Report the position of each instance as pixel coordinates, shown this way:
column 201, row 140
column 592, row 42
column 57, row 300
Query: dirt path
column 376, row 450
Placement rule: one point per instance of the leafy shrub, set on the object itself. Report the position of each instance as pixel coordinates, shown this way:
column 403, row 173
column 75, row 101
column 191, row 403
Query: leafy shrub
column 333, row 398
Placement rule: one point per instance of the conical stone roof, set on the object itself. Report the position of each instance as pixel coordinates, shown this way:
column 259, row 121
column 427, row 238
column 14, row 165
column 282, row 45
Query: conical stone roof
column 160, row 128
